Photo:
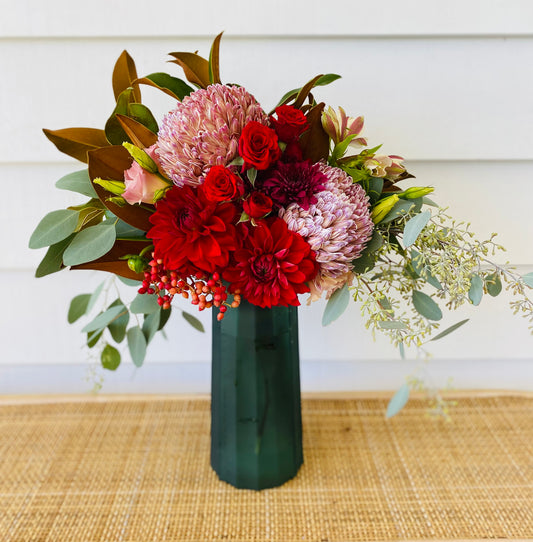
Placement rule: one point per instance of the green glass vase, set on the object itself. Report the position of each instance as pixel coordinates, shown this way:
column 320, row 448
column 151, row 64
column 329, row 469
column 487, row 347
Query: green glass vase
column 256, row 425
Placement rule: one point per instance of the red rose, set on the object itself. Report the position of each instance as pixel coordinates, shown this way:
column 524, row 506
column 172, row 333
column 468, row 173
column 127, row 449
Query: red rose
column 220, row 184
column 258, row 146
column 290, row 124
column 257, row 205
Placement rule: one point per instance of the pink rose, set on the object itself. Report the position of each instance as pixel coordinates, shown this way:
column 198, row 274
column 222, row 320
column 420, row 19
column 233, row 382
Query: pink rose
column 141, row 185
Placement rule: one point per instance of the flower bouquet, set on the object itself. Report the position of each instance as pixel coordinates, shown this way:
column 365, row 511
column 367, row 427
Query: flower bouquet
column 242, row 211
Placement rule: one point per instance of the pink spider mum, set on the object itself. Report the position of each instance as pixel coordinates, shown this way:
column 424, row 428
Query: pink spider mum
column 337, row 227
column 204, row 130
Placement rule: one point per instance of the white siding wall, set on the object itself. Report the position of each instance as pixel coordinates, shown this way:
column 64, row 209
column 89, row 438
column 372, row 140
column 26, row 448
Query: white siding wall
column 446, row 86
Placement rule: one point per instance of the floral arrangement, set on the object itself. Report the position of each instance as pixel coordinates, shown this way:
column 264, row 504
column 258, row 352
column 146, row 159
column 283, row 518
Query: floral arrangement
column 223, row 202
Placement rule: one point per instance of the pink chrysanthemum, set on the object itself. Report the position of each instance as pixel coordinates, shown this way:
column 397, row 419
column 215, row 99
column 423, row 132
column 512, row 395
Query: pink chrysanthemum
column 337, row 227
column 204, row 130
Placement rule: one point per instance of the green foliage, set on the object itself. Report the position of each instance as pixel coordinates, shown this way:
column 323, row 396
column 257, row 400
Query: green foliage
column 178, row 88
column 414, row 226
column 54, row 227
column 193, row 321
column 136, row 345
column 104, row 318
column 53, row 259
column 78, row 307
column 151, row 325
column 336, row 305
column 117, row 327
column 528, row 279
column 475, row 293
column 78, row 181
column 426, row 306
column 398, row 401
column 493, row 284
column 449, row 330
column 144, row 304
column 110, row 358
column 90, row 243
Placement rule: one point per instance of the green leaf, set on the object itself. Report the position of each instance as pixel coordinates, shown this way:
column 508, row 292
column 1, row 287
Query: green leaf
column 336, row 305
column 430, row 202
column 144, row 304
column 364, row 263
column 53, row 259
column 142, row 114
column 165, row 315
column 398, row 401
column 323, row 80
column 78, row 181
column 136, row 345
column 401, row 208
column 151, row 325
column 528, row 279
column 401, row 348
column 129, row 282
column 93, row 337
column 117, row 327
column 375, row 243
column 414, row 227
column 110, row 358
column 90, row 243
column 426, row 306
column 104, row 319
column 95, row 295
column 113, row 130
column 374, row 189
column 392, row 324
column 126, row 231
column 78, row 307
column 54, row 227
column 421, row 270
column 170, row 85
column 193, row 321
column 493, row 284
column 449, row 330
column 476, row 290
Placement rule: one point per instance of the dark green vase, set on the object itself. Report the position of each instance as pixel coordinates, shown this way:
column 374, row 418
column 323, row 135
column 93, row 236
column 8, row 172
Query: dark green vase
column 256, row 425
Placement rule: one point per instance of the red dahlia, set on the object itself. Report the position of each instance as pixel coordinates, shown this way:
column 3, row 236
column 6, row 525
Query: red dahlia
column 273, row 265
column 191, row 234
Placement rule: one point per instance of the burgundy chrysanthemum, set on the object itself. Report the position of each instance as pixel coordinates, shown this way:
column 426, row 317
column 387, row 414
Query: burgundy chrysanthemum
column 191, row 233
column 295, row 182
column 273, row 265
column 204, row 131
column 337, row 227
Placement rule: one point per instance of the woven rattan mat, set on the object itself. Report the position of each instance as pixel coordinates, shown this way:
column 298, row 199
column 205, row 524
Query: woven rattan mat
column 138, row 470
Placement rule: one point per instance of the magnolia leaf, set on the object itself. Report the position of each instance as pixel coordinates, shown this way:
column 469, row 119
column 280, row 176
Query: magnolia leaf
column 475, row 293
column 193, row 321
column 144, row 304
column 305, row 90
column 425, row 306
column 314, row 141
column 493, row 284
column 78, row 307
column 76, row 142
column 173, row 86
column 528, row 279
column 90, row 243
column 139, row 134
column 414, row 227
column 54, row 227
column 104, row 318
column 449, row 330
column 110, row 358
column 53, row 259
column 142, row 114
column 124, row 75
column 195, row 68
column 78, row 181
column 151, row 325
column 398, row 401
column 117, row 327
column 136, row 345
column 322, row 80
column 392, row 324
column 113, row 129
column 336, row 305
column 214, row 61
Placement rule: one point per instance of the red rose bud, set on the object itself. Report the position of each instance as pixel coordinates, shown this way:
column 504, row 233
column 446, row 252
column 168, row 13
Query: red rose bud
column 290, row 124
column 220, row 184
column 292, row 152
column 258, row 205
column 258, row 146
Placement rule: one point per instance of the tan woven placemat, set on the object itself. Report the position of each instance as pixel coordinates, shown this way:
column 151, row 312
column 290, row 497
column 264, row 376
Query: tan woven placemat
column 138, row 470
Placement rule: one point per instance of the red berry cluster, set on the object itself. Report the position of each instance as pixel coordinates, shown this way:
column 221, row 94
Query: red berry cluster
column 205, row 292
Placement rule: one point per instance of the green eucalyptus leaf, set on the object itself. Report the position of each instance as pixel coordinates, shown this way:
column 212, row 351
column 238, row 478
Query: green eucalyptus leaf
column 375, row 188
column 193, row 321
column 78, row 307
column 78, row 181
column 364, row 263
column 90, row 243
column 110, row 358
column 336, row 305
column 144, row 304
column 528, row 279
column 94, row 296
column 117, row 327
column 129, row 282
column 430, row 202
column 151, row 325
column 392, row 324
column 401, row 208
column 136, row 345
column 426, row 306
column 475, row 293
column 414, row 227
column 375, row 243
column 53, row 259
column 93, row 337
column 422, row 271
column 398, row 401
column 54, row 227
column 401, row 348
column 493, row 284
column 449, row 330
column 165, row 315
column 104, row 318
